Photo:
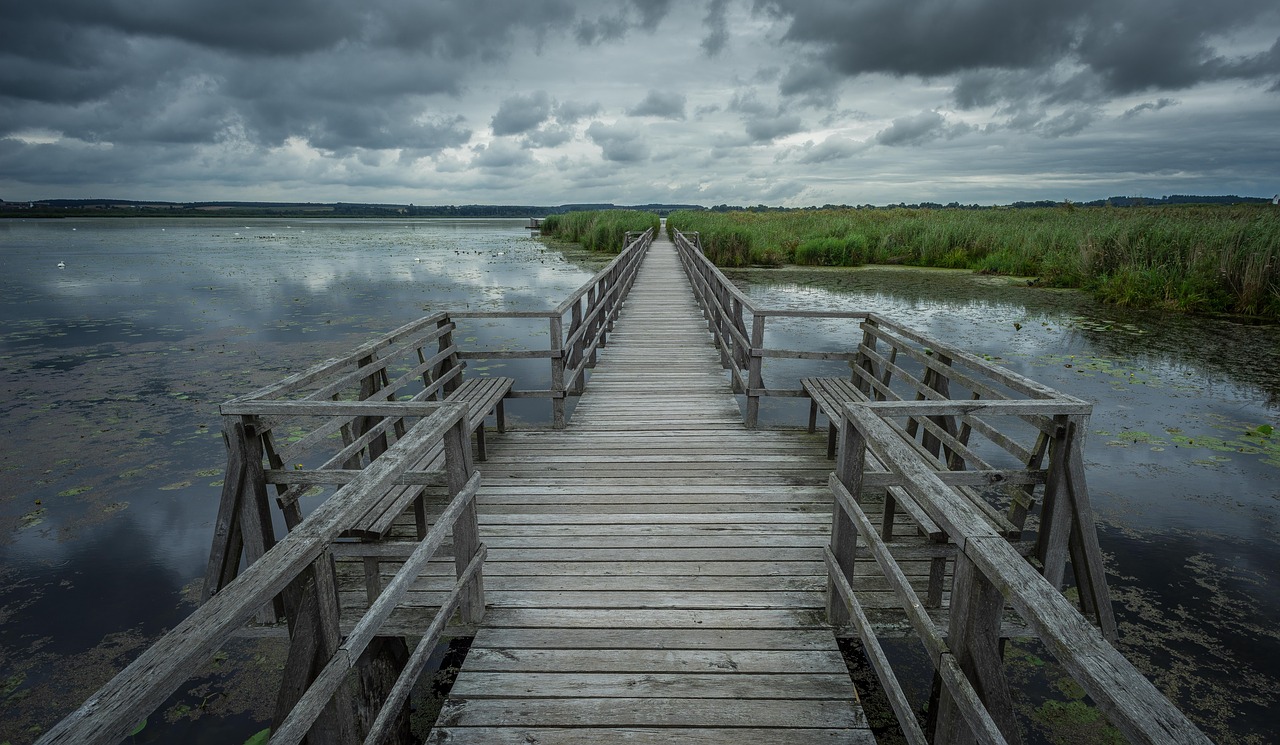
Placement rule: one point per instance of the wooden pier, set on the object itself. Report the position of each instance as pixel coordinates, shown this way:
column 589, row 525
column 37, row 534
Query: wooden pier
column 654, row 567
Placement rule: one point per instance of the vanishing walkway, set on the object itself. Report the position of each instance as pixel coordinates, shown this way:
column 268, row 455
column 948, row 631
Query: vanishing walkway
column 656, row 569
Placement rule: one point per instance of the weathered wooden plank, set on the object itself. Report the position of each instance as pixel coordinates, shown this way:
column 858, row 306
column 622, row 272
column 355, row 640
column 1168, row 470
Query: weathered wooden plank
column 642, row 712
column 648, row 736
column 650, row 660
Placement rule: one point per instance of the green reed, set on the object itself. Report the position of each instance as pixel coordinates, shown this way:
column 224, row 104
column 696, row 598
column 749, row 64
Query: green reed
column 1193, row 258
column 599, row 230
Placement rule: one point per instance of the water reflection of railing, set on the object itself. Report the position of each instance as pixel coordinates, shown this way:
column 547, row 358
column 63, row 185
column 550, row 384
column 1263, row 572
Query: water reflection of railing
column 962, row 450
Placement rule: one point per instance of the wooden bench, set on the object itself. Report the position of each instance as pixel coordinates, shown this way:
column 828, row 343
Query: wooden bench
column 830, row 395
column 481, row 395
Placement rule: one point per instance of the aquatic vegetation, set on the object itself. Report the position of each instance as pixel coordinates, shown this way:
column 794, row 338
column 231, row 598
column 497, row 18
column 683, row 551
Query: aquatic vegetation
column 599, row 230
column 1195, row 258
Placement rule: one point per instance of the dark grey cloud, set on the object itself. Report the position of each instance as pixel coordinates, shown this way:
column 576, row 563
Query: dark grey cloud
column 764, row 123
column 717, row 23
column 571, row 112
column 500, row 155
column 1124, row 47
column 619, row 143
column 666, row 104
column 1162, row 103
column 831, row 149
column 614, row 25
column 521, row 113
column 548, row 137
column 342, row 76
column 811, row 83
column 919, row 129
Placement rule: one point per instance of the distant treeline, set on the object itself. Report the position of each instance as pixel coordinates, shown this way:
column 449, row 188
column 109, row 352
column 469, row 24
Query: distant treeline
column 135, row 208
column 130, row 208
column 1195, row 258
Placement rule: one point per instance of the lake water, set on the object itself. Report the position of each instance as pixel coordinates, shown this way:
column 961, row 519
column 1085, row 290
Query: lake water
column 112, row 367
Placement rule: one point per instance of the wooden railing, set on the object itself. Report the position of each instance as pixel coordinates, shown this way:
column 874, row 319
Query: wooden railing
column 376, row 429
column 977, row 459
column 298, row 573
column 576, row 328
column 737, row 326
column 973, row 700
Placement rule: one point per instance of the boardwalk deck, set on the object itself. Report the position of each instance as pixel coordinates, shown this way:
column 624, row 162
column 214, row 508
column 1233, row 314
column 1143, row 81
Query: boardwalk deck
column 659, row 570
column 655, row 570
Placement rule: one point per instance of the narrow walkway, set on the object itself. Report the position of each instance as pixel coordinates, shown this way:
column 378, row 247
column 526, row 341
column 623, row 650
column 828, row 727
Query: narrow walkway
column 655, row 570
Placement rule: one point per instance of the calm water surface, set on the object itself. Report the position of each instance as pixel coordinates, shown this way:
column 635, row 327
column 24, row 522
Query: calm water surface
column 111, row 369
column 1185, row 487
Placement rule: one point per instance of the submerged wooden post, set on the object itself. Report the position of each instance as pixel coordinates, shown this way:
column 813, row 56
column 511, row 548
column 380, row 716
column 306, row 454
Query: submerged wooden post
column 849, row 467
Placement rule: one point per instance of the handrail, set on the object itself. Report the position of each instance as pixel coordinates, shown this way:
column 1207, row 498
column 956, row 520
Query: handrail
column 730, row 313
column 989, row 573
column 580, row 335
column 301, row 561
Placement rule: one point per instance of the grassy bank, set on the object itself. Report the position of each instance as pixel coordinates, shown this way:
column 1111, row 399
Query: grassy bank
column 1196, row 258
column 599, row 230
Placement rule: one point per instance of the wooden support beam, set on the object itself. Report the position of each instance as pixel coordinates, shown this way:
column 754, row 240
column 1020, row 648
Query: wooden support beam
column 977, row 607
column 849, row 466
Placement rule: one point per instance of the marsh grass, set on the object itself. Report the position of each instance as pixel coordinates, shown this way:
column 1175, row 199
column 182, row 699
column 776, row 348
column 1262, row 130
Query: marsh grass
column 599, row 230
column 1194, row 258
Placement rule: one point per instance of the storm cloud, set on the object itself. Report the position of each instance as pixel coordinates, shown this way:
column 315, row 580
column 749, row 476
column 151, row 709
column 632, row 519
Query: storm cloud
column 803, row 101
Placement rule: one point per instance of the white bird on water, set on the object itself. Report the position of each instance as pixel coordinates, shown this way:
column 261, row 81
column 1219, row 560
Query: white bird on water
column 62, row 265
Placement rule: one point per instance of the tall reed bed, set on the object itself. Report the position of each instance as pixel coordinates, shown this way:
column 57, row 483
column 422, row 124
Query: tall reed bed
column 1195, row 258
column 599, row 230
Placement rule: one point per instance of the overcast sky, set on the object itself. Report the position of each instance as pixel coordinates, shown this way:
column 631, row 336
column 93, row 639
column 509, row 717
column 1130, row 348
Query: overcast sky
column 791, row 102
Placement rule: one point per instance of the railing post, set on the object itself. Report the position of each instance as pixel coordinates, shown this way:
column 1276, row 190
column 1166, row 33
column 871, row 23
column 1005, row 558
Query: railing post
column 850, row 459
column 863, row 361
column 556, row 331
column 755, row 369
column 369, row 387
column 448, row 363
column 575, row 352
column 466, row 531
column 315, row 636
column 244, row 513
column 722, row 327
column 1055, row 512
column 977, row 607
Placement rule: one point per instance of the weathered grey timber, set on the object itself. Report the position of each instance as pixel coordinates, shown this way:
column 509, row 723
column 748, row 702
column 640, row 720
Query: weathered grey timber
column 962, row 450
column 655, row 568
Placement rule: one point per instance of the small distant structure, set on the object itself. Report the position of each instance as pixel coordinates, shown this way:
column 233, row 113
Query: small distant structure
column 1276, row 199
column 535, row 225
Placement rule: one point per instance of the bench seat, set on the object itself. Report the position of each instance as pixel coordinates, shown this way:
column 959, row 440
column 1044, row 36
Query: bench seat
column 481, row 395
column 830, row 395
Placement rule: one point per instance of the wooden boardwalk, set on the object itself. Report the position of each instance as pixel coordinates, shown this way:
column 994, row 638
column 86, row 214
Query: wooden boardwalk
column 655, row 571
column 658, row 571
